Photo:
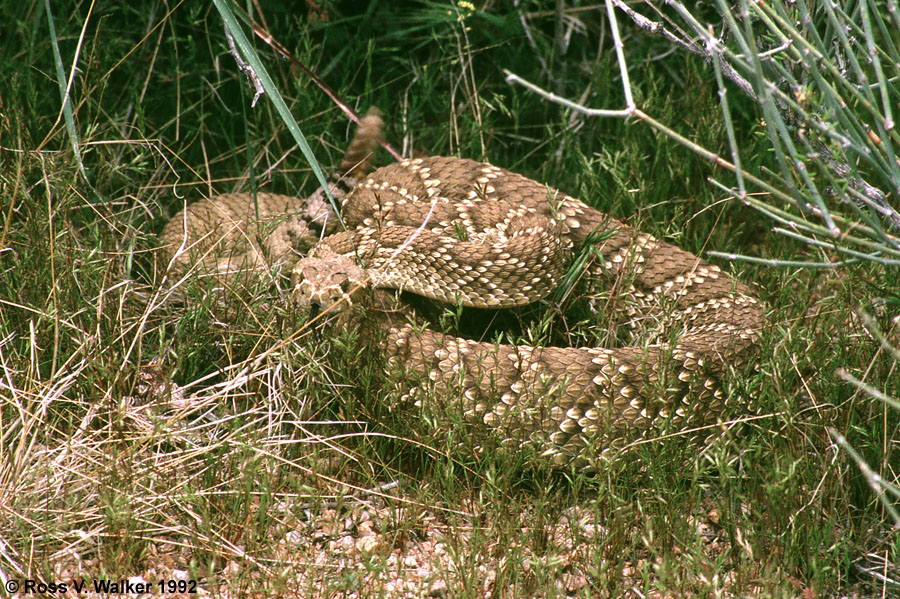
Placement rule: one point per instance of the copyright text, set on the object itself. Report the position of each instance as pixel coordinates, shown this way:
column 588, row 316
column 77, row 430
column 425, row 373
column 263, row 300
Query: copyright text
column 129, row 586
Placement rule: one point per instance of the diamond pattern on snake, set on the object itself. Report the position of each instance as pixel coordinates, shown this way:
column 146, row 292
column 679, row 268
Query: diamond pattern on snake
column 459, row 231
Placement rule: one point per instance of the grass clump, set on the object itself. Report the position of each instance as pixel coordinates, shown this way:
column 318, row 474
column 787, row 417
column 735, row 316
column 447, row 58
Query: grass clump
column 209, row 434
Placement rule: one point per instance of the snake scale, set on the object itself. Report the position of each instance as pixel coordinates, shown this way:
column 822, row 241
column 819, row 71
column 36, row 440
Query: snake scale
column 460, row 231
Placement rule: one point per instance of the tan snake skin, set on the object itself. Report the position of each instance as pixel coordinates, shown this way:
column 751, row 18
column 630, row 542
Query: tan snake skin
column 492, row 238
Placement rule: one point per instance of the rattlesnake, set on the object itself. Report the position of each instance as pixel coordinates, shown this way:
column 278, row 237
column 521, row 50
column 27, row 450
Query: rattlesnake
column 457, row 230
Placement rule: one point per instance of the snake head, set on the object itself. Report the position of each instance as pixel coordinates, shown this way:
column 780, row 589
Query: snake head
column 329, row 282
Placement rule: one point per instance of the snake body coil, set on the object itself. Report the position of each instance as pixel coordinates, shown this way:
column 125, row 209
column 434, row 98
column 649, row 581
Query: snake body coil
column 460, row 231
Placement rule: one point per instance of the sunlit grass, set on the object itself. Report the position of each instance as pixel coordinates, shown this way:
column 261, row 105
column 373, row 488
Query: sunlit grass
column 156, row 427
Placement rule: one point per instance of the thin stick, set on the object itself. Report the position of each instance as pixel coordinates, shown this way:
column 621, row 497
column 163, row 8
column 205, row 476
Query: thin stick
column 265, row 36
column 245, row 68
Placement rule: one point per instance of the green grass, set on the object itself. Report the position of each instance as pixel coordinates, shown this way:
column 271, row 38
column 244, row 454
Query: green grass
column 210, row 432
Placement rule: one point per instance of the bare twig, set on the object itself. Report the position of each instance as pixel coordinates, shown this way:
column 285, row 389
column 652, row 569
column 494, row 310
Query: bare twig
column 265, row 36
column 523, row 20
column 656, row 28
column 871, row 195
column 244, row 67
column 871, row 240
